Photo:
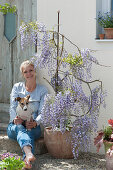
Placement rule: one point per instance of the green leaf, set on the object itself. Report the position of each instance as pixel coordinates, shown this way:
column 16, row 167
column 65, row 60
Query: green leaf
column 7, row 8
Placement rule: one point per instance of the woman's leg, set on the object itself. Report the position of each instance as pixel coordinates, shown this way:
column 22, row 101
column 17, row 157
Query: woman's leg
column 34, row 133
column 29, row 157
column 25, row 138
column 19, row 133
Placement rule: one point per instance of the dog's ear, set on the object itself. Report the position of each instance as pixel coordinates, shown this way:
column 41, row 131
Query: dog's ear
column 28, row 96
column 17, row 99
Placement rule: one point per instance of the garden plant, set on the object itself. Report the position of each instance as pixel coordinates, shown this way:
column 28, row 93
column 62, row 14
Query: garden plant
column 77, row 96
column 105, row 20
column 5, row 8
column 11, row 161
column 106, row 134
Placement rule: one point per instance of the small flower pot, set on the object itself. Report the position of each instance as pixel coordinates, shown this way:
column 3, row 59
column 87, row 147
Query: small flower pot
column 101, row 36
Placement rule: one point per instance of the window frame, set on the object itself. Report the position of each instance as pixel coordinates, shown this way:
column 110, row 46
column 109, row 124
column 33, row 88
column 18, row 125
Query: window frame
column 102, row 6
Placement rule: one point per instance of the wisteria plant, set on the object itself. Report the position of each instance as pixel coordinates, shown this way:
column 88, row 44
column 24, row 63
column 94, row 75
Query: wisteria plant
column 77, row 97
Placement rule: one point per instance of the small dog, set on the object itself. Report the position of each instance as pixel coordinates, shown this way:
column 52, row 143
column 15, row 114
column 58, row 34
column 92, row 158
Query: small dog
column 23, row 109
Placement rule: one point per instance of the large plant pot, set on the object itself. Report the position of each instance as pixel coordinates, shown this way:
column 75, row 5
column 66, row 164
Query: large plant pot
column 109, row 158
column 108, row 33
column 57, row 144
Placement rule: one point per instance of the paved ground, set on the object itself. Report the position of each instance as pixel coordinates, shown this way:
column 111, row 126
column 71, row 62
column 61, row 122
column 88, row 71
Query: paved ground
column 86, row 161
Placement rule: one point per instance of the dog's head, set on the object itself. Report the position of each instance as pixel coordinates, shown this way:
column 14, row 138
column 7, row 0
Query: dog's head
column 23, row 102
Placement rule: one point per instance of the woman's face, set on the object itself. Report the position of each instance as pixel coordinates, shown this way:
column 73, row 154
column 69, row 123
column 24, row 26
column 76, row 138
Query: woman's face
column 29, row 73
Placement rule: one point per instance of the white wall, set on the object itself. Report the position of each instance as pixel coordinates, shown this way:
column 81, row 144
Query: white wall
column 77, row 19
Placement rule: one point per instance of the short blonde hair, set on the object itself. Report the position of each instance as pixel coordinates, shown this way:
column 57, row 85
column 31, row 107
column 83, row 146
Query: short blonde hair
column 25, row 63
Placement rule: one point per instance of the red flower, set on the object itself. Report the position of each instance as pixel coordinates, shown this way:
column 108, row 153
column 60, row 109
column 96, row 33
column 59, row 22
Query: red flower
column 110, row 121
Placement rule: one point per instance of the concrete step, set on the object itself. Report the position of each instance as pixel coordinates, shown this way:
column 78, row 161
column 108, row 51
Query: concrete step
column 4, row 107
column 4, row 120
column 12, row 146
column 4, row 117
column 3, row 128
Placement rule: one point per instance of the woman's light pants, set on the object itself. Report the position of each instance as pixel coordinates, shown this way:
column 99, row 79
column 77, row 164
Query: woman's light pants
column 23, row 136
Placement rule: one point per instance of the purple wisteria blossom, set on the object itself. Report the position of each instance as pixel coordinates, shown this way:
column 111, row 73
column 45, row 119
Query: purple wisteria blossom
column 77, row 97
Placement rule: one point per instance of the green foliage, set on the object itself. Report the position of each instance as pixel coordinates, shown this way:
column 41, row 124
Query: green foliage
column 30, row 26
column 105, row 20
column 7, row 8
column 12, row 164
column 73, row 60
column 107, row 132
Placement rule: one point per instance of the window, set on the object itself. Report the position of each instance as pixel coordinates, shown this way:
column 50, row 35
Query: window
column 103, row 6
column 112, row 6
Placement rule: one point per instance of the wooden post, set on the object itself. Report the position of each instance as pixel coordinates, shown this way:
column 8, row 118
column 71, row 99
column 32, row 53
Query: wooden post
column 56, row 77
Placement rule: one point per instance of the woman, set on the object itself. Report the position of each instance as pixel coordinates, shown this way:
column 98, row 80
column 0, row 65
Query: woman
column 16, row 130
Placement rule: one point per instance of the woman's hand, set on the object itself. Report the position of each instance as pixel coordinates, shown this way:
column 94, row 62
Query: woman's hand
column 31, row 124
column 17, row 120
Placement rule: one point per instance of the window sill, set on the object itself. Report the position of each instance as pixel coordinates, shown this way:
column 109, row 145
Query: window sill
column 104, row 40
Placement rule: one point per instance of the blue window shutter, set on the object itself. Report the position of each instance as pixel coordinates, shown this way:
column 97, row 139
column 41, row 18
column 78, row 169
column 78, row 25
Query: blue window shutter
column 112, row 6
column 10, row 26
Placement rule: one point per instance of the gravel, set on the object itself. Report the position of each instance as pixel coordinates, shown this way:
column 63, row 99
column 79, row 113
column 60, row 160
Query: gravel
column 86, row 161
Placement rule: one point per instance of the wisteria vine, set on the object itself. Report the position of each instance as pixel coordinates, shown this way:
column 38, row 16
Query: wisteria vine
column 71, row 105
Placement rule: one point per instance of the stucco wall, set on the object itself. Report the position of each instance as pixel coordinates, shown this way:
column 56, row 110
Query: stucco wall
column 77, row 19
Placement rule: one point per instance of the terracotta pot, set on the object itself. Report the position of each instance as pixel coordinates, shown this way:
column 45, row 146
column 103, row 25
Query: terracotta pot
column 109, row 158
column 101, row 36
column 56, row 143
column 108, row 33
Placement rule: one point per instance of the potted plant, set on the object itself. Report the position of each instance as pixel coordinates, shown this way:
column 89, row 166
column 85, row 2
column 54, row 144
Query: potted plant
column 11, row 161
column 74, row 106
column 106, row 21
column 105, row 137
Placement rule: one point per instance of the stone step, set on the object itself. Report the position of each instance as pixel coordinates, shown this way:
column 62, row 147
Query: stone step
column 12, row 146
column 4, row 117
column 3, row 126
column 4, row 107
column 4, row 120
